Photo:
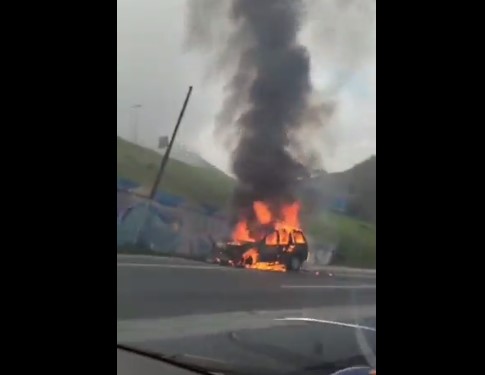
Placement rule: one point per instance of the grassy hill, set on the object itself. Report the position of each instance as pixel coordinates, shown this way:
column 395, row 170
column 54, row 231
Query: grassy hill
column 355, row 235
column 197, row 184
column 357, row 184
column 356, row 239
column 361, row 181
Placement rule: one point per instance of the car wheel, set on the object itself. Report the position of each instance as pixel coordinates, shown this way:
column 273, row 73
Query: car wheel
column 294, row 263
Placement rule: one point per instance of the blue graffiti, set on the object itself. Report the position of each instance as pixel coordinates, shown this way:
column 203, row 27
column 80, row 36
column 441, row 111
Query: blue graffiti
column 124, row 184
column 167, row 225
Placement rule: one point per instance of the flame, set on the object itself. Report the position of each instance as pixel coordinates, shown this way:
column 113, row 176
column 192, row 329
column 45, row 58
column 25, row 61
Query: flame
column 272, row 239
column 268, row 266
column 263, row 213
column 291, row 214
column 252, row 255
column 286, row 222
column 241, row 232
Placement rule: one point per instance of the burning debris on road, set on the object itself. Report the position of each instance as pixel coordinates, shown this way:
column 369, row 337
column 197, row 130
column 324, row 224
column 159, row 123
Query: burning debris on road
column 266, row 242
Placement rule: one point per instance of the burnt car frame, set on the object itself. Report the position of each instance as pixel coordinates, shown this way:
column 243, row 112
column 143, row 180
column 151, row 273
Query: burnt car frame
column 289, row 248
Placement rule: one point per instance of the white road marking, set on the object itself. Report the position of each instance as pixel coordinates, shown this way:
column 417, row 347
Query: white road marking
column 139, row 330
column 331, row 322
column 364, row 345
column 337, row 271
column 183, row 266
column 284, row 286
column 354, row 276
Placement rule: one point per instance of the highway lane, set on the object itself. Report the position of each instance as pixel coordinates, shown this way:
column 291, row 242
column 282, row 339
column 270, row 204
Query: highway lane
column 166, row 287
column 233, row 317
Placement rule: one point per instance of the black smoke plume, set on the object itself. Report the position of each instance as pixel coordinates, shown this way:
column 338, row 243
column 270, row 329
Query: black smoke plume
column 268, row 95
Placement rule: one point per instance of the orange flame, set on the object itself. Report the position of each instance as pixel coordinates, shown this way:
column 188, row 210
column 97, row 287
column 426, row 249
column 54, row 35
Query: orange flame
column 241, row 232
column 263, row 213
column 251, row 255
column 291, row 215
column 266, row 266
column 289, row 221
column 254, row 263
column 286, row 222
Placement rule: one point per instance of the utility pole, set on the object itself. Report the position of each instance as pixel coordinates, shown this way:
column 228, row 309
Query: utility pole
column 169, row 148
column 163, row 164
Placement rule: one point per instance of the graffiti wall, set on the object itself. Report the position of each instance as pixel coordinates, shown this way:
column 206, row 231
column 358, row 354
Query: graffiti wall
column 168, row 225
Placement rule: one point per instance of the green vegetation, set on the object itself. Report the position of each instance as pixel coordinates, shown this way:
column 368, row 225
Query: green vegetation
column 356, row 239
column 199, row 185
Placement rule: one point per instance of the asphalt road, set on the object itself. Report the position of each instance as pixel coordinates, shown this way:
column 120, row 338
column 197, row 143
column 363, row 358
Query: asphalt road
column 163, row 287
column 234, row 317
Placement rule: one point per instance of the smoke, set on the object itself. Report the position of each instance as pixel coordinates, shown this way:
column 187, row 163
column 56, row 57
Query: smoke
column 345, row 33
column 268, row 114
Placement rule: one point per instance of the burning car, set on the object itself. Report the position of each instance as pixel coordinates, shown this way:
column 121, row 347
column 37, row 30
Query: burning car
column 266, row 242
column 278, row 251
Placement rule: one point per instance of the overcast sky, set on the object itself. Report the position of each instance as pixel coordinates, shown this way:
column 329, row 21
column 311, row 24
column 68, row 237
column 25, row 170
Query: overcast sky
column 155, row 71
